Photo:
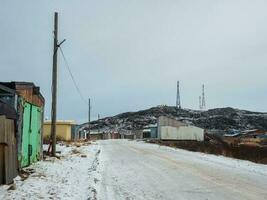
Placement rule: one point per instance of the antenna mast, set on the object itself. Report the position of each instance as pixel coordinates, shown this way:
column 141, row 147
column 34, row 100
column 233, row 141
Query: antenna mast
column 200, row 103
column 178, row 100
column 203, row 103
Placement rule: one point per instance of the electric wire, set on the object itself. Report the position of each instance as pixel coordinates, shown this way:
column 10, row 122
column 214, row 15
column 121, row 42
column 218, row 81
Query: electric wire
column 71, row 75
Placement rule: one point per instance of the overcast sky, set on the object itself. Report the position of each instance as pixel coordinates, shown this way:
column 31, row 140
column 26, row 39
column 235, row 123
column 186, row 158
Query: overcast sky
column 128, row 55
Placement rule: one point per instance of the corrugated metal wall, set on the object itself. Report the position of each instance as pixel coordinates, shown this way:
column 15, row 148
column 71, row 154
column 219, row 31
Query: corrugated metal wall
column 8, row 151
column 182, row 133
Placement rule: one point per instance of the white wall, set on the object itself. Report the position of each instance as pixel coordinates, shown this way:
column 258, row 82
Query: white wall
column 181, row 133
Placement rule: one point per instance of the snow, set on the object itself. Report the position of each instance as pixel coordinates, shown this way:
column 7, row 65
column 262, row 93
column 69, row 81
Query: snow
column 67, row 178
column 137, row 170
column 122, row 169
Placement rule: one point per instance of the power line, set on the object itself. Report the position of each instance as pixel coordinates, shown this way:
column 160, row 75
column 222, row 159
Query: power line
column 71, row 75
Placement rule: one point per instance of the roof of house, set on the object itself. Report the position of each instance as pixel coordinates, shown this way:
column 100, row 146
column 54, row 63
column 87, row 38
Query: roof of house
column 151, row 126
column 61, row 122
column 6, row 89
column 95, row 133
column 249, row 131
column 13, row 85
column 231, row 135
column 146, row 130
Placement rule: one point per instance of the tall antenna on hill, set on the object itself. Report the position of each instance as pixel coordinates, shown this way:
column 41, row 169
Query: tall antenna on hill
column 200, row 103
column 203, row 105
column 178, row 100
column 89, row 114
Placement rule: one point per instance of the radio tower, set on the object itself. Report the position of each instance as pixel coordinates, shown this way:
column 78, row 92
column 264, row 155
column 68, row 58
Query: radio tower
column 178, row 101
column 200, row 103
column 203, row 105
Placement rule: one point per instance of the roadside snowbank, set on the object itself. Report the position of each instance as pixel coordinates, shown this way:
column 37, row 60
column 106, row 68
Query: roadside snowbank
column 213, row 160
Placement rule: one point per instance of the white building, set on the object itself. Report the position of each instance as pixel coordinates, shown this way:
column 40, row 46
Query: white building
column 171, row 129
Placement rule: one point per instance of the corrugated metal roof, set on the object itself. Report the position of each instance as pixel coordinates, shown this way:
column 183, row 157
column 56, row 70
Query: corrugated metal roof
column 146, row 131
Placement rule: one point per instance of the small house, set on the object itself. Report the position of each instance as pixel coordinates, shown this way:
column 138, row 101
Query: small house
column 64, row 129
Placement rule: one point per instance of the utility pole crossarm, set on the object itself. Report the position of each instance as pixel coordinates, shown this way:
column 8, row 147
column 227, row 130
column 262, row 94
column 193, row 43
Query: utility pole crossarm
column 61, row 43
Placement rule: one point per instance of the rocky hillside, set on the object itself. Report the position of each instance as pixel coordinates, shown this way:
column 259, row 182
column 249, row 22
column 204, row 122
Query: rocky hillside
column 219, row 118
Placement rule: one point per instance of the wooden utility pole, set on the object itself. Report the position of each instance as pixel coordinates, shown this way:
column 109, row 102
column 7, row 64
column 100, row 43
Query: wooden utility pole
column 89, row 114
column 98, row 116
column 54, row 87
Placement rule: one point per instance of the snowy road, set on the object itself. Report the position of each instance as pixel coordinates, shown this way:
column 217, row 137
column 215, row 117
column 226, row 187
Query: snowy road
column 121, row 169
column 135, row 170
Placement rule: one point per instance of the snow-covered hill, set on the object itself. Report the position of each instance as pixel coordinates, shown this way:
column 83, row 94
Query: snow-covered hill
column 219, row 118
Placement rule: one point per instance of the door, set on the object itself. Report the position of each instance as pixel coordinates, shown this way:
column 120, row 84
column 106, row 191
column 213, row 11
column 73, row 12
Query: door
column 35, row 134
column 25, row 161
column 31, row 134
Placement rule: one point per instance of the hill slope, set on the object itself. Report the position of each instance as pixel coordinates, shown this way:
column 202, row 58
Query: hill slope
column 219, row 118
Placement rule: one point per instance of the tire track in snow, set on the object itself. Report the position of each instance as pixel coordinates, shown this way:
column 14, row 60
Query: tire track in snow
column 94, row 174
